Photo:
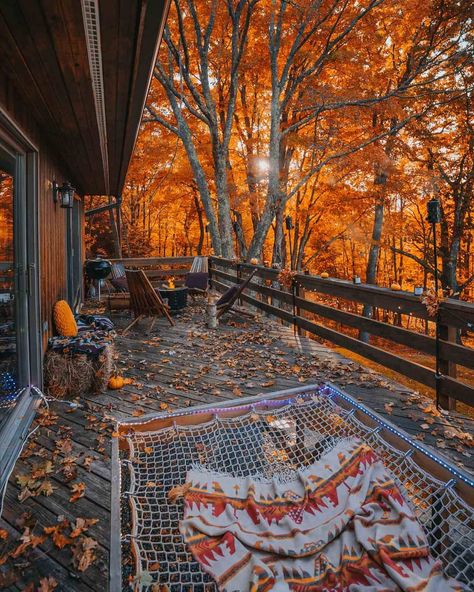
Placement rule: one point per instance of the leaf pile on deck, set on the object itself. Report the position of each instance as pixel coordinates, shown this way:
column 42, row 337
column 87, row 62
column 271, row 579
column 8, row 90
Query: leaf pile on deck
column 50, row 463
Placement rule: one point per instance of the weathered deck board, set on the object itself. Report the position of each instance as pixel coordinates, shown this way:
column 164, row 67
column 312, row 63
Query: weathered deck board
column 182, row 366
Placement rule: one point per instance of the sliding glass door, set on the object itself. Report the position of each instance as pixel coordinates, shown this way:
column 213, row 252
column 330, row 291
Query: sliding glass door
column 20, row 355
column 10, row 373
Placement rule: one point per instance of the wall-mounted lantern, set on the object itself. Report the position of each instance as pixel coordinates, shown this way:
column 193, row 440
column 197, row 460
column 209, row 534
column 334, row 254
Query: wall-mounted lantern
column 64, row 194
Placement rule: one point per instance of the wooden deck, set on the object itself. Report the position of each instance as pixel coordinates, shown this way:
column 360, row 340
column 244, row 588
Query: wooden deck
column 172, row 367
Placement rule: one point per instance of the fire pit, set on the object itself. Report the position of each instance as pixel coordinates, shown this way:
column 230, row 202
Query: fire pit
column 176, row 298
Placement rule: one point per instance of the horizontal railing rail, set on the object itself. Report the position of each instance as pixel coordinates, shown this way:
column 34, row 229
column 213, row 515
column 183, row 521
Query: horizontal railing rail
column 302, row 312
column 153, row 261
column 158, row 268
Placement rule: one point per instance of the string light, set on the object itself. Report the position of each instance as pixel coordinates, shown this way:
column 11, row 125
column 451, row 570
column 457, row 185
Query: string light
column 9, row 391
column 330, row 389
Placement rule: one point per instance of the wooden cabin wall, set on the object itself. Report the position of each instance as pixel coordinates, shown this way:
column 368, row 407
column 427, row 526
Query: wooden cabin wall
column 52, row 218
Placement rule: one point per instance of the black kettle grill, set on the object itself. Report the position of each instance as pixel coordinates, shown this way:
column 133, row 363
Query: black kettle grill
column 97, row 269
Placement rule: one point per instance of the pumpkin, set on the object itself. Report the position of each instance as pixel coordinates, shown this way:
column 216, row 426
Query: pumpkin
column 254, row 261
column 115, row 382
column 395, row 287
column 325, row 274
column 64, row 320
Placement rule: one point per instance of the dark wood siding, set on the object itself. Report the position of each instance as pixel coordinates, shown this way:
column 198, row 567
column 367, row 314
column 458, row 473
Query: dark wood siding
column 52, row 218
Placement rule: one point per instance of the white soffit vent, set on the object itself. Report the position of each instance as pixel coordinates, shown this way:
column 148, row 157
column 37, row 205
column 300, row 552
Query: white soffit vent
column 90, row 15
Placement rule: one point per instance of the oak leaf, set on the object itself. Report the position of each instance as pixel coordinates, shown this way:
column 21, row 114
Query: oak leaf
column 78, row 491
column 47, row 584
column 81, row 525
column 83, row 554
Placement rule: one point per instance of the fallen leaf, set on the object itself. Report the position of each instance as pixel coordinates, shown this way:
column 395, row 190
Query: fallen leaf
column 47, row 584
column 83, row 554
column 78, row 491
column 28, row 540
column 81, row 525
column 57, row 535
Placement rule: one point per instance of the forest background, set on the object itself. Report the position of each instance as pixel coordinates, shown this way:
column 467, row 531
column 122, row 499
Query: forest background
column 337, row 118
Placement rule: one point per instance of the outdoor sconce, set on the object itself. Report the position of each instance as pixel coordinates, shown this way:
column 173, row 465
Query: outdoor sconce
column 64, row 194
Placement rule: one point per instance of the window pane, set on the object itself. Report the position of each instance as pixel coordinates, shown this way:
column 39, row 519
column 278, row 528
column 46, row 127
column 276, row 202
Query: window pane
column 8, row 350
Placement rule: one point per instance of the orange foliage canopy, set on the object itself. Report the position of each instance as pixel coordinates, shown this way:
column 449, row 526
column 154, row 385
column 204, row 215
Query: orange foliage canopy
column 345, row 116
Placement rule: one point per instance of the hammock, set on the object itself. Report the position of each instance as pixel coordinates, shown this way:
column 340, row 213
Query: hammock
column 269, row 436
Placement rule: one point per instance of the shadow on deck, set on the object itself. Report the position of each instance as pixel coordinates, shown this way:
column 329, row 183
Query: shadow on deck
column 173, row 367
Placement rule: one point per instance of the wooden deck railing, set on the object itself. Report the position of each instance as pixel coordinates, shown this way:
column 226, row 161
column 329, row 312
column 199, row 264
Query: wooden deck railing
column 157, row 268
column 292, row 306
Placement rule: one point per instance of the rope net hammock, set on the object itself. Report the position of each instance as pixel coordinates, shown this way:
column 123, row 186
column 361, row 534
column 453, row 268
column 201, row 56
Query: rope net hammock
column 272, row 438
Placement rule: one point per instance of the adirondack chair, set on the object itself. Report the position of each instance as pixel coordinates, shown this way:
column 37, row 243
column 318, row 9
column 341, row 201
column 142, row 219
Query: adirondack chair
column 145, row 301
column 227, row 300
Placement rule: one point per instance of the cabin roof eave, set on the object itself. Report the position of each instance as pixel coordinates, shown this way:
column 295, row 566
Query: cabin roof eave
column 83, row 69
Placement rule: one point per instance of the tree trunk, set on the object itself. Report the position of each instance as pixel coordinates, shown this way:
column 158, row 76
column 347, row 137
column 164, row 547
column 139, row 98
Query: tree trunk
column 202, row 230
column 239, row 234
column 278, row 257
column 371, row 270
column 223, row 202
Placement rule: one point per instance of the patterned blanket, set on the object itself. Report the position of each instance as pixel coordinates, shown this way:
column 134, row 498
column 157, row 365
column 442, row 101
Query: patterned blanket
column 95, row 334
column 91, row 343
column 342, row 525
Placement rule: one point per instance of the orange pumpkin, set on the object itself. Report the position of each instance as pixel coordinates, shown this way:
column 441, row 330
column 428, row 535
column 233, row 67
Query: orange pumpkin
column 325, row 274
column 116, row 382
column 254, row 261
column 64, row 320
column 395, row 287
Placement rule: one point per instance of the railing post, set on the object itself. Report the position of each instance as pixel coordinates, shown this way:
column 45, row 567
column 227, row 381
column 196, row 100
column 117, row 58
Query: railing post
column 239, row 277
column 447, row 367
column 301, row 293
column 209, row 271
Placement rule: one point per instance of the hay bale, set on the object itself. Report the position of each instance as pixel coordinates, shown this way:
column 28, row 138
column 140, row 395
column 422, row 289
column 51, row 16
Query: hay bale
column 68, row 375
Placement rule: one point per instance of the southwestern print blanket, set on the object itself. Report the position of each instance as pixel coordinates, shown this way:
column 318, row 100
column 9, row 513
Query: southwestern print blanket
column 341, row 526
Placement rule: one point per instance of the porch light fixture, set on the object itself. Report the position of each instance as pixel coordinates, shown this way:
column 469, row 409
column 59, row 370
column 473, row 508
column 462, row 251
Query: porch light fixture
column 64, row 194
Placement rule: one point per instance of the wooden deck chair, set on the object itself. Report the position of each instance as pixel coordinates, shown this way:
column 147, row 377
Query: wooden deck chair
column 197, row 278
column 118, row 278
column 145, row 301
column 199, row 265
column 197, row 282
column 227, row 300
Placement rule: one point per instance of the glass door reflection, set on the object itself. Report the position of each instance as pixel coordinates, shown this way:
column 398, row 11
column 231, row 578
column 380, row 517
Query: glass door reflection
column 8, row 329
